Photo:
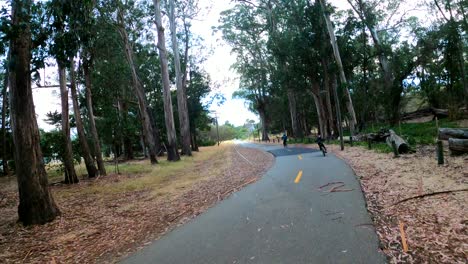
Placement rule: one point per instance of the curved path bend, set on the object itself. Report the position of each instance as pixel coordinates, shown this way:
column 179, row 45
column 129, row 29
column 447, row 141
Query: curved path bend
column 282, row 218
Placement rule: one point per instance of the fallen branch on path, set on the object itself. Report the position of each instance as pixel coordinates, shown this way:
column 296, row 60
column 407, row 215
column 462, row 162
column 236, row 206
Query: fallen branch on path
column 429, row 194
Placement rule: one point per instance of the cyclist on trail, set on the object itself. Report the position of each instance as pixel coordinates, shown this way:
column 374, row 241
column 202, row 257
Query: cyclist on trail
column 285, row 140
column 319, row 141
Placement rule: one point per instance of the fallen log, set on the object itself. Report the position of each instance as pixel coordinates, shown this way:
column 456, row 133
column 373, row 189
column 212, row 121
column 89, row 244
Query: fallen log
column 440, row 113
column 458, row 146
column 400, row 143
column 417, row 114
column 446, row 133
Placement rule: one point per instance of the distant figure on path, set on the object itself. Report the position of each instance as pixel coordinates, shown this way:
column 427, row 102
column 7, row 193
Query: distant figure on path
column 285, row 140
column 320, row 143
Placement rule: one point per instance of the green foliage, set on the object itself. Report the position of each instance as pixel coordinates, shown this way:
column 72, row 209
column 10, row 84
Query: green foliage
column 53, row 148
column 415, row 133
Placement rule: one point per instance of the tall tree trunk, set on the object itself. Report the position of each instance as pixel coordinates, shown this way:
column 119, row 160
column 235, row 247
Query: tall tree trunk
column 139, row 92
column 172, row 153
column 36, row 204
column 320, row 110
column 293, row 112
column 184, row 121
column 336, row 52
column 193, row 134
column 156, row 133
column 70, row 173
column 126, row 140
column 89, row 162
column 92, row 121
column 326, row 79
column 264, row 121
column 6, row 170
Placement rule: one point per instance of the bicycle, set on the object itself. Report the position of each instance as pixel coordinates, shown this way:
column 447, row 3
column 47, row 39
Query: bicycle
column 323, row 148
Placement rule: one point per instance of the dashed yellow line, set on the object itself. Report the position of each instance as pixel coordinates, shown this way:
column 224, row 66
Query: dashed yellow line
column 299, row 157
column 298, row 177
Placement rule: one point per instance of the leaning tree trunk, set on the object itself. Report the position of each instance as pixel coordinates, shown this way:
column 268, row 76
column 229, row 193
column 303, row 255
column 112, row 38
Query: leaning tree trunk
column 6, row 170
column 172, row 154
column 89, row 162
column 36, row 204
column 184, row 121
column 92, row 121
column 139, row 92
column 336, row 52
column 320, row 109
column 70, row 173
column 328, row 91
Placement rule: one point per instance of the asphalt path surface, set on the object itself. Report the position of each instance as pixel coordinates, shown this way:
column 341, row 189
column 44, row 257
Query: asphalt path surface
column 283, row 218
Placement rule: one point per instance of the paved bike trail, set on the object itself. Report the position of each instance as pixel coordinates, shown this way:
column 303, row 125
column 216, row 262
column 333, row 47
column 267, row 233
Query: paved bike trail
column 278, row 219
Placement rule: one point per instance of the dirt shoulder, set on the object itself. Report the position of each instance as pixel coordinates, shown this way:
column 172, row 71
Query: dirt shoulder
column 105, row 219
column 435, row 226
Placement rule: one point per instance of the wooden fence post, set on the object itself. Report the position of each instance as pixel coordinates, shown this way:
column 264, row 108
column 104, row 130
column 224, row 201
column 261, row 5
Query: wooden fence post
column 395, row 149
column 440, row 152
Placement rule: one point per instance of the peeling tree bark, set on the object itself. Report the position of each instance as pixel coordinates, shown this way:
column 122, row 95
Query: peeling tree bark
column 92, row 121
column 89, row 162
column 70, row 173
column 184, row 121
column 172, row 153
column 36, row 204
column 139, row 92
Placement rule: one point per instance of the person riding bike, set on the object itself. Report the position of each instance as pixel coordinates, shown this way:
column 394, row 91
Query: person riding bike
column 285, row 140
column 319, row 141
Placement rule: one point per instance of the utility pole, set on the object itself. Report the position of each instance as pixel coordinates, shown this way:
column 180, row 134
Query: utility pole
column 217, row 129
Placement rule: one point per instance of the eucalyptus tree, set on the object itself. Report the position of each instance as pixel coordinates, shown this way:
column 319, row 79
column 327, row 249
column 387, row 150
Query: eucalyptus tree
column 336, row 52
column 454, row 29
column 87, row 31
column 62, row 48
column 172, row 153
column 137, row 87
column 182, row 108
column 5, row 168
column 243, row 28
column 36, row 204
column 85, row 150
column 379, row 18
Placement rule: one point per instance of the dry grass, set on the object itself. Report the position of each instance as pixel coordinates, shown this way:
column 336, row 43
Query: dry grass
column 436, row 226
column 112, row 216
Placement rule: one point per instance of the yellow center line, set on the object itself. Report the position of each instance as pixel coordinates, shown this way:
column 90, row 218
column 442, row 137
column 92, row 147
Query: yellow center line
column 299, row 157
column 298, row 177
